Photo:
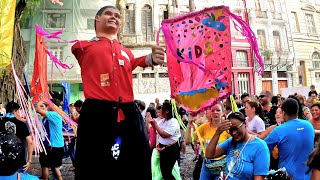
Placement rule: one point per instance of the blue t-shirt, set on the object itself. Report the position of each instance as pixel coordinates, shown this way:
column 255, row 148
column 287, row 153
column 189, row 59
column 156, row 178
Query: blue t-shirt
column 55, row 126
column 253, row 161
column 295, row 141
column 23, row 176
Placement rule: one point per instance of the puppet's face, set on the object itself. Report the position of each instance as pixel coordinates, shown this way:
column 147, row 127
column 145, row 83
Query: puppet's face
column 109, row 20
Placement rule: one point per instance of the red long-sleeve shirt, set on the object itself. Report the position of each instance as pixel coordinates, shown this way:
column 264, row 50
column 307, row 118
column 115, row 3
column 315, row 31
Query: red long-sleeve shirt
column 106, row 69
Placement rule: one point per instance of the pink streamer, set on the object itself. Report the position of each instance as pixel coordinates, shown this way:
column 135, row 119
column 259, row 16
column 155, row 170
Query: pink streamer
column 36, row 129
column 246, row 31
column 57, row 1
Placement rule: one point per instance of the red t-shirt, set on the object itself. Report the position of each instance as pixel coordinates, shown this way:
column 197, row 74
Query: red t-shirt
column 106, row 69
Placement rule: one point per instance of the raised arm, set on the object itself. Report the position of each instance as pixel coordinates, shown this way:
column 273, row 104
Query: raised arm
column 214, row 151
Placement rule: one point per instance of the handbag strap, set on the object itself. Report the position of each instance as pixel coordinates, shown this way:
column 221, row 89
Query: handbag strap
column 18, row 176
column 238, row 157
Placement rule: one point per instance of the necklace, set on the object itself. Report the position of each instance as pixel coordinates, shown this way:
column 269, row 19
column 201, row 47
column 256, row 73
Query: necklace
column 237, row 152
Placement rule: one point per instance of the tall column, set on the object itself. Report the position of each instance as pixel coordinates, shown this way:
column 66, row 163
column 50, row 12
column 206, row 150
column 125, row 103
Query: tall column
column 156, row 12
column 137, row 10
column 275, row 87
column 235, row 83
column 258, row 83
column 290, row 81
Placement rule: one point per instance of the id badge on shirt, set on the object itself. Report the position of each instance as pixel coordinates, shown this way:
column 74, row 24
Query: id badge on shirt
column 121, row 62
column 104, row 79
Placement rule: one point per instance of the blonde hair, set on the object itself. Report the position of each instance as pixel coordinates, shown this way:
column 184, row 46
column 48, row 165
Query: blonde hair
column 301, row 98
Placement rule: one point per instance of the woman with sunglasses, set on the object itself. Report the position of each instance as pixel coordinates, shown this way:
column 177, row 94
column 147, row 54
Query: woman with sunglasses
column 248, row 157
column 206, row 131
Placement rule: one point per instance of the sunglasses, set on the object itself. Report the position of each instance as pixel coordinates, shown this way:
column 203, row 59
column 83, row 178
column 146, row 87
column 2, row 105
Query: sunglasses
column 236, row 129
column 262, row 96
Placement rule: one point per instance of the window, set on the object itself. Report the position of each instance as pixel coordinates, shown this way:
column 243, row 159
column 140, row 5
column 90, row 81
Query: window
column 90, row 24
column 261, row 39
column 146, row 21
column 267, row 74
column 257, row 5
column 282, row 74
column 129, row 26
column 316, row 59
column 295, row 23
column 310, row 24
column 163, row 75
column 134, row 76
column 276, row 41
column 57, row 52
column 243, row 83
column 56, row 20
column 242, row 58
column 147, row 75
column 163, row 13
column 272, row 7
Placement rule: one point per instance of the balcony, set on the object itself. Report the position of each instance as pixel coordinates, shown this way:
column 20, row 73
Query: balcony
column 277, row 16
column 261, row 14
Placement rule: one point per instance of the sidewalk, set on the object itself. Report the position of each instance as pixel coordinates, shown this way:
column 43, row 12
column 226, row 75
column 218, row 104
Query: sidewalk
column 35, row 169
column 186, row 168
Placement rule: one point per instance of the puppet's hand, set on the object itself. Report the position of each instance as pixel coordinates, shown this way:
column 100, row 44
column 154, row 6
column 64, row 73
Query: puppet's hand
column 157, row 55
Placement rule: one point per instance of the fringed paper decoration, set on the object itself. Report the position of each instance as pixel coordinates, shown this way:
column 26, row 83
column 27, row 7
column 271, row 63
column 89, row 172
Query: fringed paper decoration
column 57, row 1
column 39, row 84
column 198, row 47
column 175, row 111
column 234, row 106
column 30, row 115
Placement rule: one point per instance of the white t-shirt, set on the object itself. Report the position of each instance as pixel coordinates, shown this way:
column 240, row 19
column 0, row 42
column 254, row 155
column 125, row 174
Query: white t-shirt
column 256, row 125
column 171, row 127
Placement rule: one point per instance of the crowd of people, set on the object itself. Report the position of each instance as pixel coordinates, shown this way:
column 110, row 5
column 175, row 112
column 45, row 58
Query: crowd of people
column 270, row 136
column 57, row 145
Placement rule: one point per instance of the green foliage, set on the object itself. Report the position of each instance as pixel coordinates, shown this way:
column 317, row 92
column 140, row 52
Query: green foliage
column 29, row 11
column 267, row 54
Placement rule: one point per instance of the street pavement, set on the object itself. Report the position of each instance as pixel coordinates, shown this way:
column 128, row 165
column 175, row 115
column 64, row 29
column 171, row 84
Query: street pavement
column 35, row 169
column 186, row 167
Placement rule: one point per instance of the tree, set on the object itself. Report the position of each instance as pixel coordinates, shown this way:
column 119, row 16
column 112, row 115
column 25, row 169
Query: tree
column 23, row 9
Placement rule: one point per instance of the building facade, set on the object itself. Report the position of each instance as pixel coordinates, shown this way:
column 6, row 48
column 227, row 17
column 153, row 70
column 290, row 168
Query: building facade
column 268, row 19
column 142, row 21
column 304, row 18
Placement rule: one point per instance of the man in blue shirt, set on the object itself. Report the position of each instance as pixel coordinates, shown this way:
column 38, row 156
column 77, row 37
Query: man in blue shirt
column 294, row 140
column 52, row 121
